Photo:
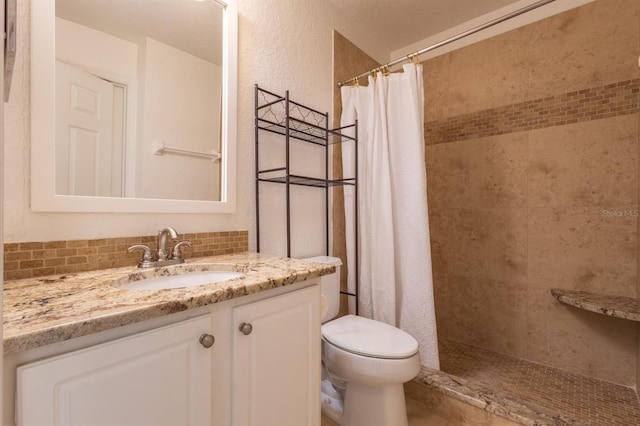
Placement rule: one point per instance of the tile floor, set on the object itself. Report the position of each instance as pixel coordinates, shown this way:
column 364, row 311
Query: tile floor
column 590, row 401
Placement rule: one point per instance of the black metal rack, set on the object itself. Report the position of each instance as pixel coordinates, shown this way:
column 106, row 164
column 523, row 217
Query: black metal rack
column 280, row 115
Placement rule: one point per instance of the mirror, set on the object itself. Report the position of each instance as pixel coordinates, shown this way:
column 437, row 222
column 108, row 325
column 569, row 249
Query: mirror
column 133, row 105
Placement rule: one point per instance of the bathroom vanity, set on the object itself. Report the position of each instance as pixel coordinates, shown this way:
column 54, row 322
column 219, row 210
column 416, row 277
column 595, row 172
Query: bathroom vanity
column 82, row 347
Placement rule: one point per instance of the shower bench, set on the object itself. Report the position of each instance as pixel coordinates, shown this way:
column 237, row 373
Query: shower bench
column 613, row 306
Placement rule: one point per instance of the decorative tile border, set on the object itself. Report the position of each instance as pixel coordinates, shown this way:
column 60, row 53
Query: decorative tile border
column 611, row 100
column 36, row 259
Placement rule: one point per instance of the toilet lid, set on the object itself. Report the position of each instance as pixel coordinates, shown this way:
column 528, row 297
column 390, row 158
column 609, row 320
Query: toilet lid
column 367, row 337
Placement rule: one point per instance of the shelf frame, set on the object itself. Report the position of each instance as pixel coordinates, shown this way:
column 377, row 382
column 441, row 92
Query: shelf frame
column 280, row 115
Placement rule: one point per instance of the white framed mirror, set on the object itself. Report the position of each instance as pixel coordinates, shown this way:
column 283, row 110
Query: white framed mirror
column 133, row 106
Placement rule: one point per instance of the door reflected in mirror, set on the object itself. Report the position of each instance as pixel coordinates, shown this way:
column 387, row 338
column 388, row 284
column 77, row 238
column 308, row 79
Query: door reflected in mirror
column 138, row 99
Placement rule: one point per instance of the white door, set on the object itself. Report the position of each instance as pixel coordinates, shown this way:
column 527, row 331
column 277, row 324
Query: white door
column 85, row 163
column 160, row 377
column 276, row 366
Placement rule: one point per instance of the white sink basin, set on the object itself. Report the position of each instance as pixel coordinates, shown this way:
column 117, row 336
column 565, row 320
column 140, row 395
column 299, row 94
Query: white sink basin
column 192, row 279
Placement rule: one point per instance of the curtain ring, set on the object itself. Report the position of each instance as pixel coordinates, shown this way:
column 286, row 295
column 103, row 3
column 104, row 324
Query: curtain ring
column 413, row 58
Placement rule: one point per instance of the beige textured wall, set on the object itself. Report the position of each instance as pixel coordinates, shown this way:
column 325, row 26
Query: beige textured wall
column 517, row 197
column 283, row 44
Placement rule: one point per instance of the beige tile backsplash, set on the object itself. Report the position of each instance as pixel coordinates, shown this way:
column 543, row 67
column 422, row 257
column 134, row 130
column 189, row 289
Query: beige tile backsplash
column 35, row 259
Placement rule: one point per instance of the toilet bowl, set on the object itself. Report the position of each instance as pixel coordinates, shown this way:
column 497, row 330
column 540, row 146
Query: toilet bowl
column 368, row 362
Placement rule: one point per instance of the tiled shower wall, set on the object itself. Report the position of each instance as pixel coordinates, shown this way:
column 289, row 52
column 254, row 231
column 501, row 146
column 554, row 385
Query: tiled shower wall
column 348, row 60
column 532, row 164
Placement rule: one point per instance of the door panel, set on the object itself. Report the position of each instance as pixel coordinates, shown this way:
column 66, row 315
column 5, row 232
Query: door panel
column 160, row 377
column 276, row 367
column 85, row 160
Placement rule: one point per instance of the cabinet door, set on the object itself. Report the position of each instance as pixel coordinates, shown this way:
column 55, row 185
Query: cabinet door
column 160, row 377
column 276, row 367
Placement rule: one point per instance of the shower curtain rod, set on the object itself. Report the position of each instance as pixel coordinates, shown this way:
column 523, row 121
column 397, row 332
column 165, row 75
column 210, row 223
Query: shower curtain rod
column 415, row 55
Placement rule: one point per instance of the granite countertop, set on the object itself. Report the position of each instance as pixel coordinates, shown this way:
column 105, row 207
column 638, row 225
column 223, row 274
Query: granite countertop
column 613, row 306
column 45, row 310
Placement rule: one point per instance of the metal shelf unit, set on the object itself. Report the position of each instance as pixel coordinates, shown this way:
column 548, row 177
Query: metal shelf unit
column 298, row 123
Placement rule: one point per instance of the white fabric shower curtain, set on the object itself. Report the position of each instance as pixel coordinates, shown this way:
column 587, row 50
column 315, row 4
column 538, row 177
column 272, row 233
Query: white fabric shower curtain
column 396, row 284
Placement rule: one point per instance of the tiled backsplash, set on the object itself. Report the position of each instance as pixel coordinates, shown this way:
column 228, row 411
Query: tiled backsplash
column 36, row 259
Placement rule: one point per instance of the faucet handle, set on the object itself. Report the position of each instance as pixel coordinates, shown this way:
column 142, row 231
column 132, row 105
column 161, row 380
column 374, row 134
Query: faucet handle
column 147, row 257
column 177, row 253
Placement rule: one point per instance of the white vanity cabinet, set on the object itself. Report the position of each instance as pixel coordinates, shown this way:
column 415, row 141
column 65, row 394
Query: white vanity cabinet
column 276, row 362
column 159, row 377
column 157, row 372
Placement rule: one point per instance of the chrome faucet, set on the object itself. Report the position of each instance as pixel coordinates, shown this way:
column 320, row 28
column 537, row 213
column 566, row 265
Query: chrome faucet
column 162, row 255
column 162, row 242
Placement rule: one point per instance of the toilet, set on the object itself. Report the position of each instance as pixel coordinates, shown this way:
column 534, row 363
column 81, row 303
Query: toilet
column 365, row 363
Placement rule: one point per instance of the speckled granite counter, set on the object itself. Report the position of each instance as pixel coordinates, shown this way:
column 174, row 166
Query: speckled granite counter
column 613, row 306
column 41, row 311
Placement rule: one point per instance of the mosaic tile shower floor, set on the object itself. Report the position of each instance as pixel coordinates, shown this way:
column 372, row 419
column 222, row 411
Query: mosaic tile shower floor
column 590, row 401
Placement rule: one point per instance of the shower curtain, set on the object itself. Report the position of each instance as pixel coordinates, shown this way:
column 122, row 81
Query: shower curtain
column 396, row 284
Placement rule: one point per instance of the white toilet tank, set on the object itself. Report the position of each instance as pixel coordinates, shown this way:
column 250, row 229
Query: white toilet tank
column 329, row 288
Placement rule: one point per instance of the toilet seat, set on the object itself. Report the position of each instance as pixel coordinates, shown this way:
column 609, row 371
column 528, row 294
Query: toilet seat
column 369, row 338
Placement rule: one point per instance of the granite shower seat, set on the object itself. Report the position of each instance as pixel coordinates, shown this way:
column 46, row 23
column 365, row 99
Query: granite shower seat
column 613, row 306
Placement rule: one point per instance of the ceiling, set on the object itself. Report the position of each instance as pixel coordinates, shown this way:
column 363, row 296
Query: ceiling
column 195, row 26
column 403, row 22
column 192, row 26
